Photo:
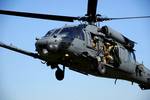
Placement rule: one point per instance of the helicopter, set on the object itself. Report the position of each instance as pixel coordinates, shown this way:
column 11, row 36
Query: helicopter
column 87, row 48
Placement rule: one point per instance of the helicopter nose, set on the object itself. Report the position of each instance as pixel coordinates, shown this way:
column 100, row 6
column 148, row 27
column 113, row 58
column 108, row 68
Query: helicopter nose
column 46, row 44
column 52, row 44
column 41, row 43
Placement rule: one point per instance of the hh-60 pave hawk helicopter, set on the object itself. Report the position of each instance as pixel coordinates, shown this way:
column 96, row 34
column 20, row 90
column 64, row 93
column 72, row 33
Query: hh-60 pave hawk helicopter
column 87, row 48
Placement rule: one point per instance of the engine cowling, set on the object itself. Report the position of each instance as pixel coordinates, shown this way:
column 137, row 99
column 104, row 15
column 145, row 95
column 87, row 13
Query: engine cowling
column 109, row 32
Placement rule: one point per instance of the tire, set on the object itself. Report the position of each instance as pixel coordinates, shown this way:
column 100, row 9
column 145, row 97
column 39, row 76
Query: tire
column 59, row 74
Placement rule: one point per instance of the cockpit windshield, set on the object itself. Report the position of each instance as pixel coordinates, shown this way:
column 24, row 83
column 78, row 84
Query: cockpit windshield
column 67, row 32
column 52, row 32
column 73, row 32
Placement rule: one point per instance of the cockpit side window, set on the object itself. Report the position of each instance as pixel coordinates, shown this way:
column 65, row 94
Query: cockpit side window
column 80, row 34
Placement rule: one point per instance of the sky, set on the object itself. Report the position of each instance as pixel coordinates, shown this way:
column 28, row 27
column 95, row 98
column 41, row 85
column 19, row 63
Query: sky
column 25, row 78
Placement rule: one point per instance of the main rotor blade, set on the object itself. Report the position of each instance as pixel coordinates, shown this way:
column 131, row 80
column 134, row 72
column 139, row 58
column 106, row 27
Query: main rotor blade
column 39, row 16
column 121, row 18
column 91, row 9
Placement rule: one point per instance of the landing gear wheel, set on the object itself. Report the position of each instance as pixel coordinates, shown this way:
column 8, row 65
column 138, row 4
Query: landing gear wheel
column 59, row 74
column 101, row 69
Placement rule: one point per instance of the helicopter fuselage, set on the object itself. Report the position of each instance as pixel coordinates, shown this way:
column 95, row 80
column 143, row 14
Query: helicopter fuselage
column 72, row 46
column 84, row 49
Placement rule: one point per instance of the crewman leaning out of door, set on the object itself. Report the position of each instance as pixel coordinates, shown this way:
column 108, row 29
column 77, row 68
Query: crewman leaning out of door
column 107, row 58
